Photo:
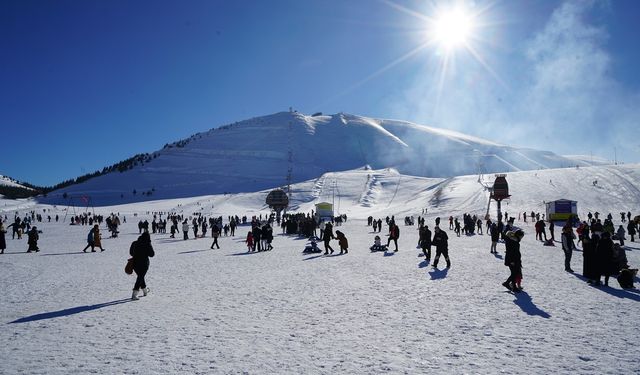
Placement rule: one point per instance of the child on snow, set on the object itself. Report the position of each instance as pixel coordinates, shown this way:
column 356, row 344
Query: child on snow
column 312, row 247
column 249, row 241
column 377, row 245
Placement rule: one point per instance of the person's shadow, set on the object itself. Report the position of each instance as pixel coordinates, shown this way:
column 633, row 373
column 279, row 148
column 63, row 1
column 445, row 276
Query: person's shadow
column 66, row 312
column 437, row 274
column 524, row 301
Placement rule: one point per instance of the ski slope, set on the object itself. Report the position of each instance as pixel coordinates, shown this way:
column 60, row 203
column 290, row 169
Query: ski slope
column 256, row 154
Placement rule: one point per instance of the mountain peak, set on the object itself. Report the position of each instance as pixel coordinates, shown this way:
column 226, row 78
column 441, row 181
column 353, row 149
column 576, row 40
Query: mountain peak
column 259, row 153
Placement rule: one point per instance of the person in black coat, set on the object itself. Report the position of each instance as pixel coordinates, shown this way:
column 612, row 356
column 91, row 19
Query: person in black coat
column 425, row 241
column 604, row 251
column 257, row 237
column 568, row 246
column 513, row 259
column 441, row 242
column 495, row 236
column 590, row 259
column 326, row 237
column 3, row 242
column 141, row 250
column 32, row 240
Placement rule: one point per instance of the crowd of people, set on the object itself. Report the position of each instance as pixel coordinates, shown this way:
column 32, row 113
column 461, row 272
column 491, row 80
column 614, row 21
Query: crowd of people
column 602, row 243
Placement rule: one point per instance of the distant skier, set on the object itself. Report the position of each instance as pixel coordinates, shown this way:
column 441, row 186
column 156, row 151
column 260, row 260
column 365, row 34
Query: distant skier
column 141, row 250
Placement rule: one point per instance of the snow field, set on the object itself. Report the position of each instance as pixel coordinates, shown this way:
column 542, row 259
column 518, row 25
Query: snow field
column 226, row 311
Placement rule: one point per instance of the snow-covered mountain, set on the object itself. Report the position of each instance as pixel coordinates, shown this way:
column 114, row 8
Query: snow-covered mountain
column 256, row 154
column 8, row 181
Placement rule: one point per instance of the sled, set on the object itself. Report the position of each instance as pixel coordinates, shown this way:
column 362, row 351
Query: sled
column 375, row 248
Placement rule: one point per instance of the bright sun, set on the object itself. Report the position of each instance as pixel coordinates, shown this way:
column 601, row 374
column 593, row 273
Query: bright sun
column 452, row 29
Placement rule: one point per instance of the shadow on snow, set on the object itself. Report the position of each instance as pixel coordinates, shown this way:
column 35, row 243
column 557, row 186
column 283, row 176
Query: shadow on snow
column 524, row 301
column 437, row 274
column 194, row 251
column 67, row 312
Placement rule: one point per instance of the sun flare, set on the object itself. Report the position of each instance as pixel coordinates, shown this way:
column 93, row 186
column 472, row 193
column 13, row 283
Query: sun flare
column 452, row 28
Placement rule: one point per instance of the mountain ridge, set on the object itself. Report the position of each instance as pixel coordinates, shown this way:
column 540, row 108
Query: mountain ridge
column 257, row 154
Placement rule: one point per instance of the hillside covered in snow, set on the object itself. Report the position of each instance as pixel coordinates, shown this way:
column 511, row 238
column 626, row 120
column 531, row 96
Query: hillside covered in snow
column 256, row 154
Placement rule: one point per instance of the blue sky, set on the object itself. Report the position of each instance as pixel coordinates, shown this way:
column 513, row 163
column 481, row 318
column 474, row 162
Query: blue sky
column 84, row 84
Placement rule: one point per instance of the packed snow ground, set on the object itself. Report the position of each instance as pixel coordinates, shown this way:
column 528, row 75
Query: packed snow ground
column 226, row 311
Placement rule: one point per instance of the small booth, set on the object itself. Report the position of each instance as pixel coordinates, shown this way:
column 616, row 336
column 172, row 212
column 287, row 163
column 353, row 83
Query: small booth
column 561, row 210
column 324, row 210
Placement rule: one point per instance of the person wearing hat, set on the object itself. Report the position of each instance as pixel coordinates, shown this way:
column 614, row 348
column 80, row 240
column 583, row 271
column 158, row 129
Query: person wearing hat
column 513, row 259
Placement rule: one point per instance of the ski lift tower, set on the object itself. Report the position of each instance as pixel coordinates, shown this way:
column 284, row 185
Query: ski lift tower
column 500, row 191
column 278, row 201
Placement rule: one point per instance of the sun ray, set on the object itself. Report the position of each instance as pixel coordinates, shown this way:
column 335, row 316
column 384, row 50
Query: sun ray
column 484, row 64
column 375, row 74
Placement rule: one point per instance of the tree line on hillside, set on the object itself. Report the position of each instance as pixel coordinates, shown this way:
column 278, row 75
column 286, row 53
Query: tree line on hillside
column 29, row 190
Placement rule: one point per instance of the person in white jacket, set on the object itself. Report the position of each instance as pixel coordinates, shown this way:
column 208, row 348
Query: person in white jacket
column 185, row 229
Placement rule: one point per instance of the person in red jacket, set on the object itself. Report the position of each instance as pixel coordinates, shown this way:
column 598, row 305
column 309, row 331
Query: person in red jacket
column 394, row 234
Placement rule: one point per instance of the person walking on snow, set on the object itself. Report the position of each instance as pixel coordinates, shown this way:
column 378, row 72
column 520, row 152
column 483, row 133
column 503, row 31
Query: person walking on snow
column 215, row 233
column 425, row 242
column 342, row 242
column 141, row 250
column 513, row 260
column 328, row 236
column 441, row 242
column 394, row 234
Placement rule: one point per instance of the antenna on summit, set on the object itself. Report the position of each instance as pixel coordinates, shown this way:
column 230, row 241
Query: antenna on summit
column 289, row 160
